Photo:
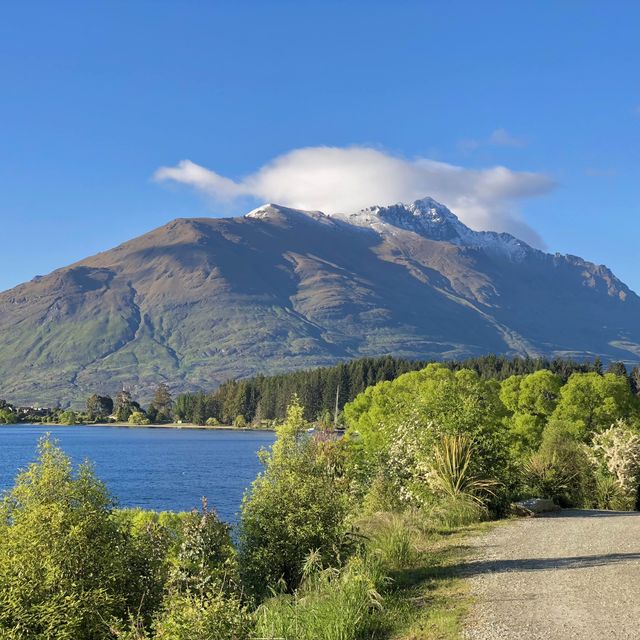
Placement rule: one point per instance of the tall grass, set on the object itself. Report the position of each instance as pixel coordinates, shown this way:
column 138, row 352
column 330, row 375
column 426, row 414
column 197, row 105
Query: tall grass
column 330, row 604
column 392, row 539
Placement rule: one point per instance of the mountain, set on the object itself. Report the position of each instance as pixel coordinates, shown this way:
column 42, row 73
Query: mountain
column 198, row 301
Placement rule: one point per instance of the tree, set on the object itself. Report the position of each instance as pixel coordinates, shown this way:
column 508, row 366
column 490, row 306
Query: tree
column 183, row 406
column 597, row 365
column 617, row 368
column 296, row 506
column 64, row 561
column 162, row 403
column 68, row 417
column 199, row 409
column 124, row 406
column 7, row 416
column 437, row 402
column 634, row 380
column 594, row 402
column 99, row 407
column 531, row 399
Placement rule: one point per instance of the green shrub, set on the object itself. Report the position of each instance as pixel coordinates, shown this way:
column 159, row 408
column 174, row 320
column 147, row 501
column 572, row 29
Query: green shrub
column 383, row 495
column 212, row 422
column 65, row 564
column 457, row 496
column 200, row 587
column 7, row 416
column 545, row 476
column 68, row 418
column 297, row 505
column 214, row 616
column 569, row 474
column 138, row 418
column 206, row 558
column 239, row 422
column 610, row 495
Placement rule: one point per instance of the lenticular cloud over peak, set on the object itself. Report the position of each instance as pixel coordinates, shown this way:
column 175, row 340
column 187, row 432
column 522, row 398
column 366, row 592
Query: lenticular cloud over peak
column 345, row 180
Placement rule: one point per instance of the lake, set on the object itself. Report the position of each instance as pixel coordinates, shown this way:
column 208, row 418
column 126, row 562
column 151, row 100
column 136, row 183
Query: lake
column 160, row 469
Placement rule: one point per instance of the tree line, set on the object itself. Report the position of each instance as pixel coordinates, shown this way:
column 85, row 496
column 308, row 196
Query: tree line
column 98, row 409
column 265, row 398
column 262, row 400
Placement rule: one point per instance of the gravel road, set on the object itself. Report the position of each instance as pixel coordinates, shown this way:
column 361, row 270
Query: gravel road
column 575, row 574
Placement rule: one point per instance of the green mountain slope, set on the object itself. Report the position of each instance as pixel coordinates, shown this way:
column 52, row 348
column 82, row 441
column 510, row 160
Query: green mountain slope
column 198, row 301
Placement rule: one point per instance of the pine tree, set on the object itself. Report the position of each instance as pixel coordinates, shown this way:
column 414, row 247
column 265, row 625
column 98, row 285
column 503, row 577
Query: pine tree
column 162, row 403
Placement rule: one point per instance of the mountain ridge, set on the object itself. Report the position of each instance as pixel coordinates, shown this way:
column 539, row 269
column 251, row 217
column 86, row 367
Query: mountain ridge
column 200, row 300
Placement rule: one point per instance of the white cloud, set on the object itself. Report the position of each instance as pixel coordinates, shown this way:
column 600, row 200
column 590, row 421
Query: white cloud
column 334, row 179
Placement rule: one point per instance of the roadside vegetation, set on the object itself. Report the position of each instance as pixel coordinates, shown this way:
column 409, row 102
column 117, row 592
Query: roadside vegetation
column 347, row 537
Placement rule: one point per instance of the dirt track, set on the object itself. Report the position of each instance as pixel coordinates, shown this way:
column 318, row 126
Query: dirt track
column 572, row 575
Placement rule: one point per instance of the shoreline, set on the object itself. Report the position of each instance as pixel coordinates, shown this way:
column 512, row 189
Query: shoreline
column 126, row 425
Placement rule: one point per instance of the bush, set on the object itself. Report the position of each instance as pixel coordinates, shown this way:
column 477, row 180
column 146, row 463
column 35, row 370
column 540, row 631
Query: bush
column 206, row 558
column 610, row 495
column 68, row 418
column 451, row 492
column 616, row 453
column 65, row 564
column 297, row 505
column 138, row 418
column 201, row 589
column 215, row 616
column 212, row 422
column 569, row 475
column 239, row 422
column 545, row 476
column 8, row 417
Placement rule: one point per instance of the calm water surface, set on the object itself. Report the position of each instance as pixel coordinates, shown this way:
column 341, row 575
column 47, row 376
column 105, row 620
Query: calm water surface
column 161, row 469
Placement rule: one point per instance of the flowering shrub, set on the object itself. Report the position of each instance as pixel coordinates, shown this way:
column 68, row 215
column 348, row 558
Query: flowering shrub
column 616, row 452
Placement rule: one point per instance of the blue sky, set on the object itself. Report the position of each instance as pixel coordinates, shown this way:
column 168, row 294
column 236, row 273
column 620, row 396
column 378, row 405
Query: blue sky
column 97, row 96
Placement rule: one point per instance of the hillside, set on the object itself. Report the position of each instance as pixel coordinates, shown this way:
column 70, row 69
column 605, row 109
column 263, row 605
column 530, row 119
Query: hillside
column 199, row 301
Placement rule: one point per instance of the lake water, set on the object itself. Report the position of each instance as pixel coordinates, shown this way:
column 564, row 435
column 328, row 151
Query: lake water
column 160, row 469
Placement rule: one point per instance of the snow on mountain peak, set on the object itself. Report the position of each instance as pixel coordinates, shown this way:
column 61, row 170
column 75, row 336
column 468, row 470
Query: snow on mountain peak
column 433, row 220
column 426, row 217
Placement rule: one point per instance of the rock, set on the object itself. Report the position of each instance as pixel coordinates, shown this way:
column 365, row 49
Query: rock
column 533, row 506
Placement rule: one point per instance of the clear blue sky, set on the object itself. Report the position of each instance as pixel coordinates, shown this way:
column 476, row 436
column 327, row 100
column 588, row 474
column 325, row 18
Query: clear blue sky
column 97, row 95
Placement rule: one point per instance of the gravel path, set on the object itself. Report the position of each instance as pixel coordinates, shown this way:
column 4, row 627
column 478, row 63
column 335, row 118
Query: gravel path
column 575, row 574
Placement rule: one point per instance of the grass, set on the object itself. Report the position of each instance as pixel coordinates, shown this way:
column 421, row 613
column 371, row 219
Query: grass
column 426, row 599
column 403, row 585
column 330, row 604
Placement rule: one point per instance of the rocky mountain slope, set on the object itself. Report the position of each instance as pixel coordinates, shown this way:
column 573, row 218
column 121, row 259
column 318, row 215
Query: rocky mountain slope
column 200, row 300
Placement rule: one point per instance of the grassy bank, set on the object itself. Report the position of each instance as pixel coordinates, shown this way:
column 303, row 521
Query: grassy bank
column 425, row 599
